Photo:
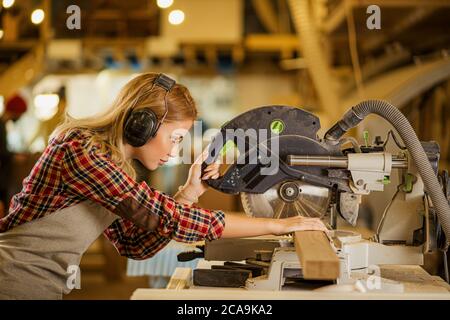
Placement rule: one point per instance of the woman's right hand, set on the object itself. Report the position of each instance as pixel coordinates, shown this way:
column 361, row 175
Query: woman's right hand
column 297, row 223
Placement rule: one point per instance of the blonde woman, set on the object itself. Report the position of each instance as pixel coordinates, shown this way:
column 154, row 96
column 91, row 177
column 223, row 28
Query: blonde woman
column 83, row 185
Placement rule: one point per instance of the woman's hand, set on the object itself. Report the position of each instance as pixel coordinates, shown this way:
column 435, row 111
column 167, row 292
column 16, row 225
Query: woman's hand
column 298, row 223
column 195, row 184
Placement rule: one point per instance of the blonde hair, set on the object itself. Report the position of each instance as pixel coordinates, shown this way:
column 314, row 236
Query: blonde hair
column 105, row 131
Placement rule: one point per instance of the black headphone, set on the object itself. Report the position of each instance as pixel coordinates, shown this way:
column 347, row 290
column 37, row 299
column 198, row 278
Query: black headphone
column 142, row 125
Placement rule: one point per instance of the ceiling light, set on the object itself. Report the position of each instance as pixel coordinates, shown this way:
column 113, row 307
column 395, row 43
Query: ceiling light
column 176, row 17
column 163, row 4
column 37, row 16
column 8, row 3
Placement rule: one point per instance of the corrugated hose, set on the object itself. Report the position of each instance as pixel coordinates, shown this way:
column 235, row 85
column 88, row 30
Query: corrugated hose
column 394, row 116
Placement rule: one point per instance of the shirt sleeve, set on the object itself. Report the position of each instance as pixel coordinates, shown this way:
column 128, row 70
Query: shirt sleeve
column 94, row 176
column 134, row 242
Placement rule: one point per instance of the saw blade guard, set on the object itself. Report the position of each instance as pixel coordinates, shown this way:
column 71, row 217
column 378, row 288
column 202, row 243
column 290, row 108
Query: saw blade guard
column 264, row 138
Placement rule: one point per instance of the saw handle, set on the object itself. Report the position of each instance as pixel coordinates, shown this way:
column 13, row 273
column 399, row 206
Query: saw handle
column 213, row 153
column 191, row 255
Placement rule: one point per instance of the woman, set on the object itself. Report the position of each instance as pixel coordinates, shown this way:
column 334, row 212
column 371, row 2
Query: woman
column 84, row 185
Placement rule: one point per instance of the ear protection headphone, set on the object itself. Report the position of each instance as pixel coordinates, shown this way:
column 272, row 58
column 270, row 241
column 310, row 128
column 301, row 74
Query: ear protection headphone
column 142, row 125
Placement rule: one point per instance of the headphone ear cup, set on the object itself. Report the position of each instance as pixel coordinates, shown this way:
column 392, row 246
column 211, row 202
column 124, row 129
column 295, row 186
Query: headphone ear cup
column 140, row 126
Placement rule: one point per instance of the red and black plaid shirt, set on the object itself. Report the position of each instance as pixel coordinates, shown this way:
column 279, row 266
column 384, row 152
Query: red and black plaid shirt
column 67, row 174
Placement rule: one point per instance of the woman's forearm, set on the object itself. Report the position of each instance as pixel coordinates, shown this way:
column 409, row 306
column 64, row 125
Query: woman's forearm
column 242, row 226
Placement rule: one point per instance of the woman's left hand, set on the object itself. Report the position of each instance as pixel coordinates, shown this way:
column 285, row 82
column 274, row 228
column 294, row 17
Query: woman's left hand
column 195, row 183
column 297, row 223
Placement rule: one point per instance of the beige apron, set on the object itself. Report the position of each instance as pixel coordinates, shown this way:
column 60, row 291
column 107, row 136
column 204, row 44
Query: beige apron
column 38, row 257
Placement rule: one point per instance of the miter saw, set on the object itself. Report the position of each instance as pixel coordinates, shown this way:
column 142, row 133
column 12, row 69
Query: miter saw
column 281, row 168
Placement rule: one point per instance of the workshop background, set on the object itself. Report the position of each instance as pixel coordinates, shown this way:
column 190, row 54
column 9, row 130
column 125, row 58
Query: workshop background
column 321, row 55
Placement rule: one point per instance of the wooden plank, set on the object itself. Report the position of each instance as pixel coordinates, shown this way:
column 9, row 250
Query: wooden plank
column 317, row 257
column 180, row 279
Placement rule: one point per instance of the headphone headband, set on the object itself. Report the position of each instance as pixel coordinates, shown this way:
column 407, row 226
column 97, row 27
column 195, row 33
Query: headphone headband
column 164, row 82
column 167, row 84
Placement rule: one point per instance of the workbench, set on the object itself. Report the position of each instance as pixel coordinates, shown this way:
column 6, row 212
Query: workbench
column 418, row 284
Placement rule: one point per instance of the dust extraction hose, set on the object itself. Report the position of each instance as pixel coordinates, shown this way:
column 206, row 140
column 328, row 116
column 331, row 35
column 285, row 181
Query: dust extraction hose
column 394, row 116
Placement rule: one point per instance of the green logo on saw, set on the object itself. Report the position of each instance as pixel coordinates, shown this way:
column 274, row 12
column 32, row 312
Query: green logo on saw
column 277, row 126
column 227, row 147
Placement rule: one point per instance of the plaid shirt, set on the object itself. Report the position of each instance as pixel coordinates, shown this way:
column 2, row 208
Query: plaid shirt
column 67, row 174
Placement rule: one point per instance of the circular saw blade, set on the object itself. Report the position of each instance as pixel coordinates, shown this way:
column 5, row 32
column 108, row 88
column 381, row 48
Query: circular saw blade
column 311, row 201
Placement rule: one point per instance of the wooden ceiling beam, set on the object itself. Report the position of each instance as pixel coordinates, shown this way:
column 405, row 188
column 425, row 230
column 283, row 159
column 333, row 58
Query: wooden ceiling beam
column 398, row 28
column 400, row 3
column 273, row 42
column 115, row 14
column 337, row 17
column 266, row 14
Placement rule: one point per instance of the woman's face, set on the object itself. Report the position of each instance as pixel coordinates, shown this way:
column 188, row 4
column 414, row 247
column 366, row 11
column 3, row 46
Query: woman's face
column 157, row 151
